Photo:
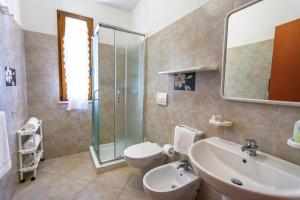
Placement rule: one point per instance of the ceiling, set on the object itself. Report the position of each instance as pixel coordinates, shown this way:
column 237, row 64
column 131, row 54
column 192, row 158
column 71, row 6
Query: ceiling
column 127, row 5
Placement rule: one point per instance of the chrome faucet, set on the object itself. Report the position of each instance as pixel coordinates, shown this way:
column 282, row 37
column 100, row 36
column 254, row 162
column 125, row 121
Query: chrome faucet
column 184, row 164
column 250, row 147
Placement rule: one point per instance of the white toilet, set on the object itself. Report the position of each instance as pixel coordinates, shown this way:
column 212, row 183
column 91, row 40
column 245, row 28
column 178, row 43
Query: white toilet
column 169, row 183
column 144, row 156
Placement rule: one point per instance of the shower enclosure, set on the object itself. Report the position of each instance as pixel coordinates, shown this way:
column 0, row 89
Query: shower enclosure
column 118, row 91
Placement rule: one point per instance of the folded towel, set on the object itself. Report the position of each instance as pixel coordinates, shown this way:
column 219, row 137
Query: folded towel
column 30, row 143
column 31, row 125
column 5, row 160
column 28, row 161
column 184, row 138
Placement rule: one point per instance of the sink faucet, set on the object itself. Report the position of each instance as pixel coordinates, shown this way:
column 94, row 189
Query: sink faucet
column 250, row 147
column 184, row 164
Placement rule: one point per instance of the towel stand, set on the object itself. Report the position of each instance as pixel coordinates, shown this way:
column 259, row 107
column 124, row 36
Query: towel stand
column 29, row 158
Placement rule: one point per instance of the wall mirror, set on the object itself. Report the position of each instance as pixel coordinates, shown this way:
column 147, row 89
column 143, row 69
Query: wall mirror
column 261, row 61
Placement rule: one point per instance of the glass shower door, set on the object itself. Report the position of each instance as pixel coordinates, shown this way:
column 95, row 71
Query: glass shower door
column 134, row 90
column 129, row 90
column 120, row 92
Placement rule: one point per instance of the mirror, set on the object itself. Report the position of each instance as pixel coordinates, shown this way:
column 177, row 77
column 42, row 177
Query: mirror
column 262, row 53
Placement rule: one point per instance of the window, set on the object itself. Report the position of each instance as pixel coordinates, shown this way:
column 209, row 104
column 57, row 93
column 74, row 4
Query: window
column 74, row 38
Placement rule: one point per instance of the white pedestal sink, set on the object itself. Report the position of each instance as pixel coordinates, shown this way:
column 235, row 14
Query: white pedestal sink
column 236, row 175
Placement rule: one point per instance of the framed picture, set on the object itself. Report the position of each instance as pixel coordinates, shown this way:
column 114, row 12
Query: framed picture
column 10, row 76
column 185, row 81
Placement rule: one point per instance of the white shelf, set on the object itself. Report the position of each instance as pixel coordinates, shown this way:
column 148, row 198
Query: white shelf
column 26, row 151
column 190, row 69
column 39, row 155
column 221, row 123
column 24, row 132
column 293, row 144
column 30, row 162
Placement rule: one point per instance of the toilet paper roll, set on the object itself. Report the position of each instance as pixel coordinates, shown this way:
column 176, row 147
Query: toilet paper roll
column 168, row 149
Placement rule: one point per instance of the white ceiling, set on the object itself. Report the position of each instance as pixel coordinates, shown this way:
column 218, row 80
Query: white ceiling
column 127, row 5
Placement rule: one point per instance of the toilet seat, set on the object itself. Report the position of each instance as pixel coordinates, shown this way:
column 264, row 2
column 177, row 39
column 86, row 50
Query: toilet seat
column 143, row 150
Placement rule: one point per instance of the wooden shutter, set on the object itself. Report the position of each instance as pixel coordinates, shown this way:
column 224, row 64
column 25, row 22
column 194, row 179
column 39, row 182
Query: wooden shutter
column 61, row 19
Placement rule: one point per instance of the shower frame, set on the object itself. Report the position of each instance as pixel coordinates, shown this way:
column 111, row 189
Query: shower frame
column 120, row 29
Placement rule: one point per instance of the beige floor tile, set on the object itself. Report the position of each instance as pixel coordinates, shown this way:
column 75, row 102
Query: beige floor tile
column 116, row 178
column 84, row 171
column 62, row 165
column 27, row 189
column 63, row 188
column 135, row 182
column 99, row 192
column 133, row 195
column 69, row 178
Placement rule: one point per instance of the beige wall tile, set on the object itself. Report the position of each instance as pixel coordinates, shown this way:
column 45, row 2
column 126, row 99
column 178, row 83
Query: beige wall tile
column 197, row 40
column 13, row 100
column 65, row 132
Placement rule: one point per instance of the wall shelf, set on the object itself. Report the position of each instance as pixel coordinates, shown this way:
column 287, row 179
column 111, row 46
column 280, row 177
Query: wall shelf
column 190, row 69
column 222, row 123
column 293, row 144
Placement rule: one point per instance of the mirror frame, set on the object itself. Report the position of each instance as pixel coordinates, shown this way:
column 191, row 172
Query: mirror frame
column 261, row 101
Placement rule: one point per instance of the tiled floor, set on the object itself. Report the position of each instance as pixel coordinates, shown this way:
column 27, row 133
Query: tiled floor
column 74, row 178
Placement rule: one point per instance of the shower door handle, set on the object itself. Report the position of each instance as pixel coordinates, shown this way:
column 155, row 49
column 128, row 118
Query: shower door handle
column 95, row 95
column 118, row 96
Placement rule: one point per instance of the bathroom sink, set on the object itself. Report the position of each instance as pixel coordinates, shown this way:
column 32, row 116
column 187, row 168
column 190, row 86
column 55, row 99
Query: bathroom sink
column 222, row 164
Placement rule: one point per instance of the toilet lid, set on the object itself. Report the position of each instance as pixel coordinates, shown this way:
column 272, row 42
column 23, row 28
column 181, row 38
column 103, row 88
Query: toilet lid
column 143, row 150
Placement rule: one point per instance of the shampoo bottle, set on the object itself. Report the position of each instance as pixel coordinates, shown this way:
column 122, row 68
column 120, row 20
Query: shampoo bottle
column 296, row 135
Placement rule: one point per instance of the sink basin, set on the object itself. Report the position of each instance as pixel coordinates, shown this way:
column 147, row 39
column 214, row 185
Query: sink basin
column 222, row 164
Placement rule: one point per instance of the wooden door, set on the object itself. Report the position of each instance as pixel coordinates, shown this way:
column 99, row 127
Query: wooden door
column 285, row 73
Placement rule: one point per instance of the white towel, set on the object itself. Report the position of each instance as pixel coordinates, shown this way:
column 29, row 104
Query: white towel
column 5, row 160
column 30, row 144
column 183, row 139
column 32, row 124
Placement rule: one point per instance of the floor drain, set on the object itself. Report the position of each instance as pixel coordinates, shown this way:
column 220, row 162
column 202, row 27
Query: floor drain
column 173, row 186
column 236, row 181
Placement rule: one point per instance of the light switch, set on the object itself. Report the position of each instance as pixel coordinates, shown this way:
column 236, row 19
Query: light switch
column 162, row 98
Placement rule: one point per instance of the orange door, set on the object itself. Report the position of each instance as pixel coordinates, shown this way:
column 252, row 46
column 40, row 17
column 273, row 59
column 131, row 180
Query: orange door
column 285, row 73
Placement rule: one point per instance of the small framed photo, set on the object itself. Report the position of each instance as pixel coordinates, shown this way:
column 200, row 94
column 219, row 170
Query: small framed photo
column 185, row 81
column 10, row 76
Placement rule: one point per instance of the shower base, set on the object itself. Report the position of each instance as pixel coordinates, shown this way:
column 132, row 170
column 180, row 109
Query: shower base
column 106, row 153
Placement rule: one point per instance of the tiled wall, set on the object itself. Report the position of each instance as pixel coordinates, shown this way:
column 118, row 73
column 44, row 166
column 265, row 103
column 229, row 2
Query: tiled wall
column 197, row 40
column 64, row 132
column 13, row 100
column 254, row 74
column 107, row 92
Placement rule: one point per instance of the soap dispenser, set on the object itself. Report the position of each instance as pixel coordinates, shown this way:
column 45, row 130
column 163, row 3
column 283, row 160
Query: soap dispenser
column 296, row 135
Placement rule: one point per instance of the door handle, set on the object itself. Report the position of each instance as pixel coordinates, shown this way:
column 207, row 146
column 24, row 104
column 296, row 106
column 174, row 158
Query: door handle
column 118, row 96
column 95, row 95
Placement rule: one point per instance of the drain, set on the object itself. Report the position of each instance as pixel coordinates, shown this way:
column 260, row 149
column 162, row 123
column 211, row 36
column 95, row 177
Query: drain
column 174, row 186
column 236, row 181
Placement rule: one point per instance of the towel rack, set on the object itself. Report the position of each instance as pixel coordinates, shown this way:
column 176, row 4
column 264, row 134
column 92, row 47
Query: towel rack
column 29, row 158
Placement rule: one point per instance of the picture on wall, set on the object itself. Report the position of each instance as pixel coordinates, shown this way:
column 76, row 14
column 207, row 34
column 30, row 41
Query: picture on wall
column 185, row 81
column 10, row 76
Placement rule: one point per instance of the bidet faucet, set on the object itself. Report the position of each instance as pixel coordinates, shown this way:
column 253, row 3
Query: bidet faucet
column 250, row 147
column 184, row 164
